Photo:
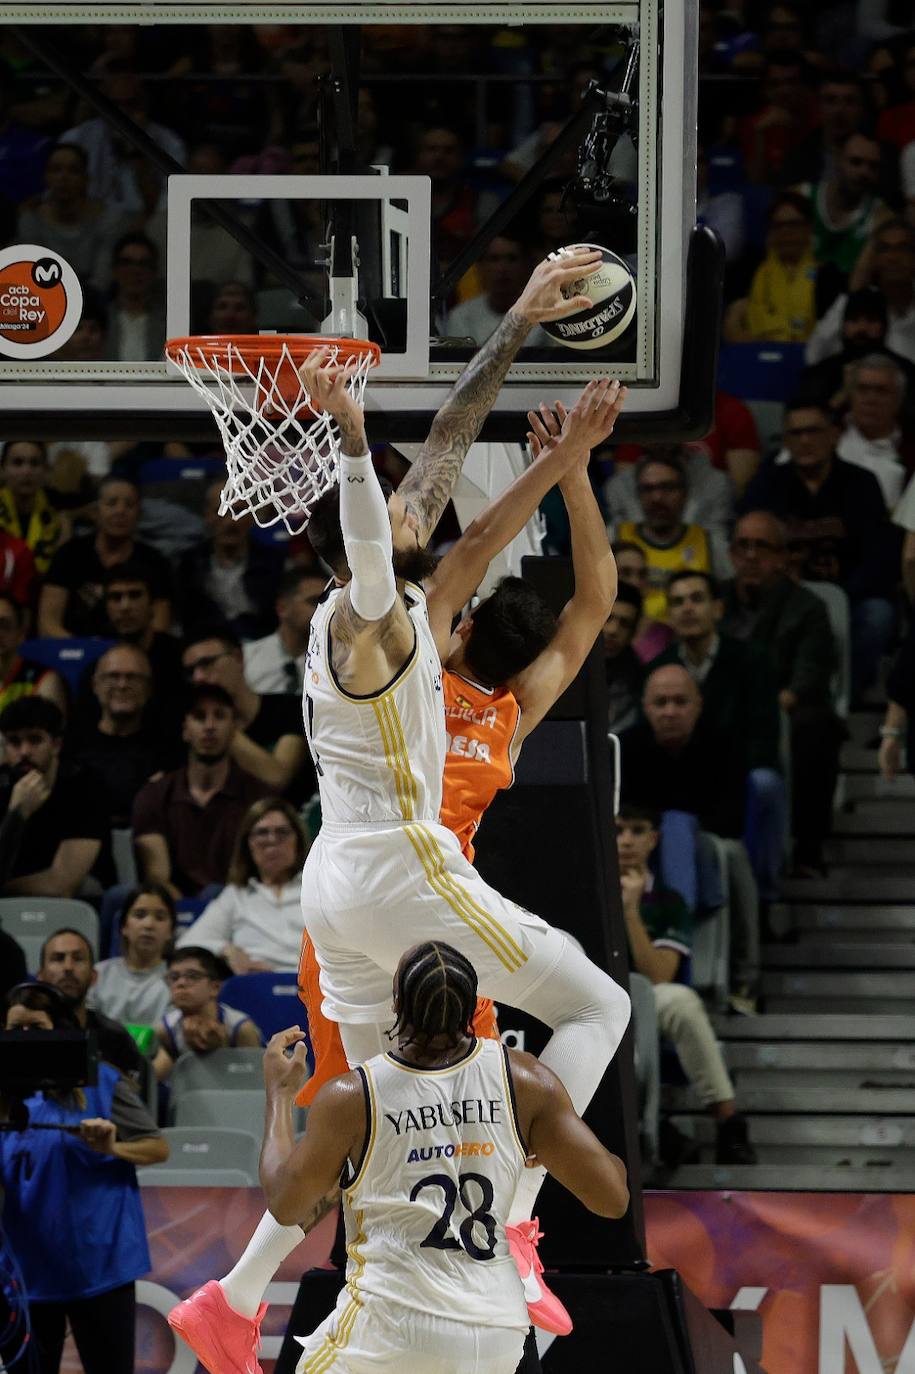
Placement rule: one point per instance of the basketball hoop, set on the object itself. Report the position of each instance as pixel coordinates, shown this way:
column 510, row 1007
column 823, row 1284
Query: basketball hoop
column 281, row 454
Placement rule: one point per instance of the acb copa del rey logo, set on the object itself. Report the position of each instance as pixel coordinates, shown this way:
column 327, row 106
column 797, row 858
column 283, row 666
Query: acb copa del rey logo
column 40, row 301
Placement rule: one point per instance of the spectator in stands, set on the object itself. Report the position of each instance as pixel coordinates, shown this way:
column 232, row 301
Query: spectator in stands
column 846, row 205
column 842, row 105
column 888, row 263
column 764, row 606
column 268, row 742
column 66, row 963
column 733, row 442
column 663, row 534
column 55, row 823
column 781, row 305
column 277, row 662
column 651, row 636
column 130, row 611
column 899, row 721
column 72, row 598
column 184, row 824
column 897, row 123
column 709, row 493
column 233, row 310
column 117, row 176
column 126, row 744
column 256, row 921
column 26, row 510
column 72, row 1211
column 723, row 211
column 68, row 221
column 136, row 315
column 196, row 1021
column 504, row 268
column 659, row 929
column 229, row 577
column 23, row 677
column 131, row 987
column 904, row 518
column 18, row 578
column 12, row 964
column 838, row 529
column 864, row 326
column 786, row 117
column 677, row 759
column 442, row 157
column 623, row 666
column 87, row 343
column 22, row 150
column 872, row 437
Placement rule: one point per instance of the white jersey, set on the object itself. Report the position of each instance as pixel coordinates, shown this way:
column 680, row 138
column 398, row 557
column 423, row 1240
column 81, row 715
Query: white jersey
column 426, row 1208
column 379, row 758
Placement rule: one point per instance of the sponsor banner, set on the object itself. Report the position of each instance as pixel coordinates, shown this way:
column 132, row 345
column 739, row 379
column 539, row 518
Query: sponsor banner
column 40, row 301
column 831, row 1274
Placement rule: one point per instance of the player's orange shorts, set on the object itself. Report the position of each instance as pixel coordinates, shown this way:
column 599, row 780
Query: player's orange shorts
column 326, row 1045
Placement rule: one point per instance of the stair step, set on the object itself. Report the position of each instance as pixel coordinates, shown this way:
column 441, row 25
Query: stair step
column 854, row 955
column 869, row 919
column 863, row 726
column 825, row 939
column 822, row 1056
column 838, row 1006
column 829, row 1080
column 860, row 985
column 876, row 817
column 870, row 785
column 805, row 1097
column 857, row 758
column 865, row 851
column 816, row 1027
column 805, row 1178
column 881, row 1134
column 851, row 884
column 824, row 1156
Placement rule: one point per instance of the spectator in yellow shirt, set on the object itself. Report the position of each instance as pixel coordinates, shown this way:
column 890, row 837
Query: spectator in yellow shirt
column 781, row 306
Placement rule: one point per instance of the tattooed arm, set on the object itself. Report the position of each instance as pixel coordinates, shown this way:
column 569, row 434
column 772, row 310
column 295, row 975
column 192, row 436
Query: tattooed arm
column 428, row 485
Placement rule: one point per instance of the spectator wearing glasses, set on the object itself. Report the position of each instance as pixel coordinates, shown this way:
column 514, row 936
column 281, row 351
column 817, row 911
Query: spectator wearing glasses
column 269, row 742
column 873, row 435
column 887, row 263
column 624, row 670
column 666, row 539
column 710, row 493
column 22, row 677
column 196, row 1021
column 276, row 663
column 136, row 316
column 256, row 921
column 26, row 510
column 73, row 596
column 131, row 987
column 185, row 822
column 229, row 576
column 781, row 305
column 125, row 745
column 864, row 326
column 838, row 529
column 764, row 606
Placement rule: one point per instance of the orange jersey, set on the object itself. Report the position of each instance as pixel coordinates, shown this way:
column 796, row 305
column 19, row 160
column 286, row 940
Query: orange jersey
column 481, row 723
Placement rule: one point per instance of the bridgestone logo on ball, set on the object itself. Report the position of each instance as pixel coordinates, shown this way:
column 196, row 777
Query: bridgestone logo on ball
column 40, row 301
column 613, row 292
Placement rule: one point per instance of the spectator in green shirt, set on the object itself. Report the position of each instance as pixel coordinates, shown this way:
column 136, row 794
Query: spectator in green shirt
column 659, row 929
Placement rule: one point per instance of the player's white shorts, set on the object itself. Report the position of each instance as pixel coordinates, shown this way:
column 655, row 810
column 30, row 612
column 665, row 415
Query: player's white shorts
column 369, row 895
column 377, row 1336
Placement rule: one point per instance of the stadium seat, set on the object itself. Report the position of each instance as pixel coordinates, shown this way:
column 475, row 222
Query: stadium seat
column 769, row 418
column 760, row 371
column 30, row 920
column 836, row 602
column 270, row 999
column 69, row 657
column 710, row 961
column 227, row 1070
column 205, row 1157
column 185, row 469
column 240, row 1111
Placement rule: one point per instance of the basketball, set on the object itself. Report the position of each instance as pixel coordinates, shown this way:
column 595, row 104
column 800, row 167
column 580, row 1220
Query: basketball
column 612, row 291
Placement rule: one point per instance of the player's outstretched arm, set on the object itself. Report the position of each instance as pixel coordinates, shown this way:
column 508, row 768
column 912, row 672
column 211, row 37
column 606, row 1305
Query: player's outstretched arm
column 464, row 566
column 562, row 1143
column 540, row 685
column 297, row 1175
column 431, row 480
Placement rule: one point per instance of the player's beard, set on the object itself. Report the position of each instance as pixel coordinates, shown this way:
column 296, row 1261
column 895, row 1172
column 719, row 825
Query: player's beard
column 413, row 565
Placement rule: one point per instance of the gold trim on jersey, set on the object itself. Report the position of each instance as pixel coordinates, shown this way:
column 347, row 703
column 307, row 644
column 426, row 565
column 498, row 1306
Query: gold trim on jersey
column 331, row 1346
column 435, row 1073
column 371, row 1130
column 395, row 753
column 477, row 918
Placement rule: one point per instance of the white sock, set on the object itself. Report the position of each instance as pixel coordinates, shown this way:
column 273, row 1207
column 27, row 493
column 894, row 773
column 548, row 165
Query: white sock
column 245, row 1285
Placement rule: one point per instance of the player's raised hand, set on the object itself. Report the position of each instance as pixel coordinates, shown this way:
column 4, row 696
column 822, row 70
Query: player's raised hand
column 286, row 1063
column 325, row 382
column 543, row 298
column 588, row 424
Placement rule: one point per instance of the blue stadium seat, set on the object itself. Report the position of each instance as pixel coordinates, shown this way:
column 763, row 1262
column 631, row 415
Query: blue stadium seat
column 270, row 999
column 186, row 469
column 760, row 371
column 69, row 657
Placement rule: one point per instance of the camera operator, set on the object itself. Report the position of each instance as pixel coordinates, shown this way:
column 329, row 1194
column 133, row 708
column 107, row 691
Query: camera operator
column 72, row 1209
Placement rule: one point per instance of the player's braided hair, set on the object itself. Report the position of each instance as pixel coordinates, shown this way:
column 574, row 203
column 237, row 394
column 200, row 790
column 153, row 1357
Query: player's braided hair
column 436, row 991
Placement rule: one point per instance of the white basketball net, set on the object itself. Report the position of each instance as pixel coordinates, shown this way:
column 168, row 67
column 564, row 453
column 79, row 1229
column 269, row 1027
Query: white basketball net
column 280, row 458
